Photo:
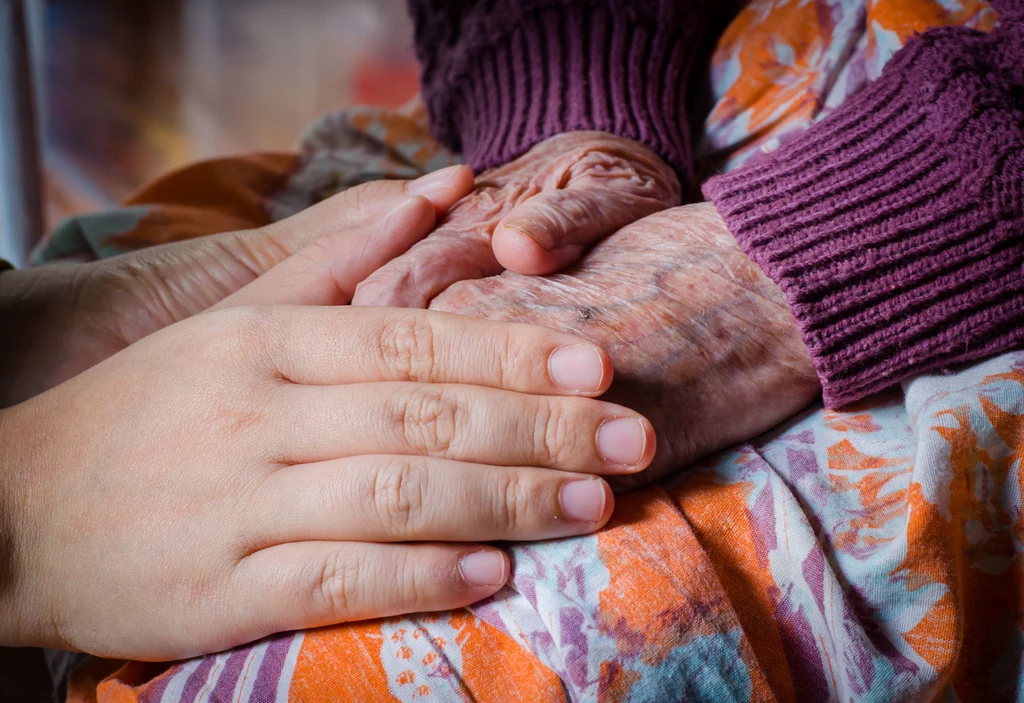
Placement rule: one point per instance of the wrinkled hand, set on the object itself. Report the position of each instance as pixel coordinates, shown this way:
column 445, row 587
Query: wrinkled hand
column 71, row 317
column 703, row 344
column 535, row 215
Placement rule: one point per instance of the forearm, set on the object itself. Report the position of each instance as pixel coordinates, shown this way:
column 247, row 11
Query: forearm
column 896, row 226
column 500, row 77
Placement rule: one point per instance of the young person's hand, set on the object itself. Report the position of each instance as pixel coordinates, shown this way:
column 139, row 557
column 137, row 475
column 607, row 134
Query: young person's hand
column 62, row 319
column 263, row 467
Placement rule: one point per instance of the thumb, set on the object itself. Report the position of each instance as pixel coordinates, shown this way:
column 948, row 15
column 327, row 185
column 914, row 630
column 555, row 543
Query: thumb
column 327, row 271
column 365, row 203
column 551, row 230
column 198, row 273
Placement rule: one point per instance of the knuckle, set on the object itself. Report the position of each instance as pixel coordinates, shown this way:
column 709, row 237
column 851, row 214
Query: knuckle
column 416, row 585
column 474, row 218
column 254, row 335
column 397, row 494
column 335, row 584
column 568, row 210
column 639, row 174
column 507, row 366
column 428, row 418
column 407, row 347
column 552, row 433
column 512, row 503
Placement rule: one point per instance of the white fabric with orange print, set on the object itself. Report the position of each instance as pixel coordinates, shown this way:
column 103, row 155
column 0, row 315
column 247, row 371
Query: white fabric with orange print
column 784, row 64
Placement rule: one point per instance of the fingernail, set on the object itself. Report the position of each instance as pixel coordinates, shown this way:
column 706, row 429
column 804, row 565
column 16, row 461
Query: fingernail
column 583, row 501
column 534, row 230
column 432, row 182
column 579, row 368
column 486, row 568
column 622, row 441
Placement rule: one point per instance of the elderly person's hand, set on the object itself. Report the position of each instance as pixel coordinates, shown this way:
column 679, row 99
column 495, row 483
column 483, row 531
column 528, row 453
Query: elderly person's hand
column 263, row 467
column 702, row 342
column 71, row 317
column 535, row 215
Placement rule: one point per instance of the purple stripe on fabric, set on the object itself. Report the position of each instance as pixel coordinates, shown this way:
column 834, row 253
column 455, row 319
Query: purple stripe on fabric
column 813, row 570
column 228, row 678
column 264, row 690
column 810, row 682
column 195, row 682
column 170, row 679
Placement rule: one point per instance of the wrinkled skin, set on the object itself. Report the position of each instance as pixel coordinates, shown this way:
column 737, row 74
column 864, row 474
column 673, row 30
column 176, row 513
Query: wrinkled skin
column 535, row 215
column 702, row 341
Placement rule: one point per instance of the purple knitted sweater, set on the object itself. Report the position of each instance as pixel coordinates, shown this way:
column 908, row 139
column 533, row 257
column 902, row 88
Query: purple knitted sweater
column 502, row 75
column 895, row 227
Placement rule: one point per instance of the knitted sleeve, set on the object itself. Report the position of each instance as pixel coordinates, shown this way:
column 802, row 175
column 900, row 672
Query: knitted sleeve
column 895, row 227
column 502, row 75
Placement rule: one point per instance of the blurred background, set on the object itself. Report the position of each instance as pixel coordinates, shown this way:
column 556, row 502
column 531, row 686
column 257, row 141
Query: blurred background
column 97, row 97
column 128, row 89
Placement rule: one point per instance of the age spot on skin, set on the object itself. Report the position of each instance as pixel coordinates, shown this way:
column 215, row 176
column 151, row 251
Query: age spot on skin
column 586, row 314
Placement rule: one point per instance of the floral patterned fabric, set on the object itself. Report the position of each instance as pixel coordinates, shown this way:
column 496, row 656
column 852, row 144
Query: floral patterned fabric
column 873, row 554
column 784, row 64
column 867, row 555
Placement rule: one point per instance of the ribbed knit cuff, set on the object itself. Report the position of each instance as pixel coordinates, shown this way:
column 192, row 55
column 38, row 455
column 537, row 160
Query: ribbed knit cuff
column 518, row 76
column 895, row 227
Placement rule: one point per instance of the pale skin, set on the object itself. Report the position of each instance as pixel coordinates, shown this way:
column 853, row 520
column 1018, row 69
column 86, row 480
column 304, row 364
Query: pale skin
column 282, row 460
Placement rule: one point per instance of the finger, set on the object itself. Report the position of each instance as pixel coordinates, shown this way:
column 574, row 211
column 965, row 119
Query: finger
column 327, row 271
column 552, row 230
column 413, row 280
column 404, row 498
column 461, row 423
column 311, row 584
column 366, row 202
column 196, row 274
column 335, row 346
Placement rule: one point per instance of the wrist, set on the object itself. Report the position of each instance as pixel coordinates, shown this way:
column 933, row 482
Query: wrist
column 23, row 598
